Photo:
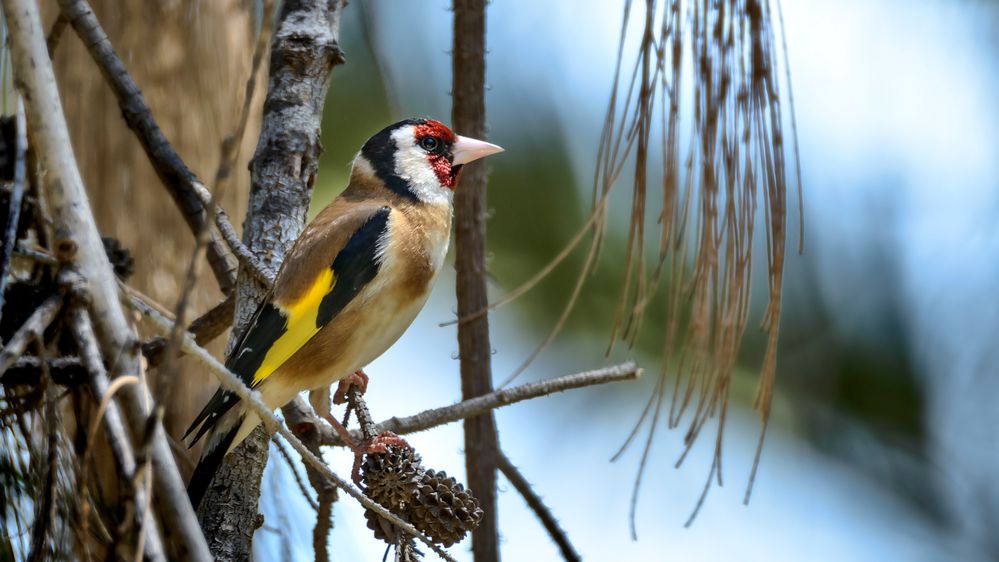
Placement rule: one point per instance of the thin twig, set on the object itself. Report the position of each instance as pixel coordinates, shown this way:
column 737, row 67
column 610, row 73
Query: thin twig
column 16, row 197
column 204, row 328
column 468, row 408
column 32, row 329
column 55, row 33
column 255, row 267
column 231, row 144
column 45, row 502
column 326, row 495
column 272, row 423
column 324, row 521
column 169, row 357
column 39, row 255
column 538, row 506
column 356, row 403
column 283, row 451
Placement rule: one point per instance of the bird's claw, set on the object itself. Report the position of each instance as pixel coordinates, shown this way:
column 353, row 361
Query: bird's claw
column 358, row 379
column 379, row 444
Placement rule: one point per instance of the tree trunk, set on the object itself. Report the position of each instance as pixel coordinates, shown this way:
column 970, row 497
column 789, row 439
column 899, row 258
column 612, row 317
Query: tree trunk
column 469, row 118
column 304, row 51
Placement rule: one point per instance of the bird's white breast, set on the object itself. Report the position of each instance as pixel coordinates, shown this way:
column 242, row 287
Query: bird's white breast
column 390, row 305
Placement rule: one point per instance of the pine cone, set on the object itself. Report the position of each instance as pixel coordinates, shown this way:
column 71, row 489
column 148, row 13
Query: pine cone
column 443, row 508
column 391, row 478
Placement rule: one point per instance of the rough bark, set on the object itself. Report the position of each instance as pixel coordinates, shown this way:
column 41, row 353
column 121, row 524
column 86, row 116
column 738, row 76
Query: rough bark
column 469, row 118
column 78, row 245
column 303, row 54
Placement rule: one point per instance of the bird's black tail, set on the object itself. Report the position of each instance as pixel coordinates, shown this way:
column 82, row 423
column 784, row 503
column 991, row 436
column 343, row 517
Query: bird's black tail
column 211, row 458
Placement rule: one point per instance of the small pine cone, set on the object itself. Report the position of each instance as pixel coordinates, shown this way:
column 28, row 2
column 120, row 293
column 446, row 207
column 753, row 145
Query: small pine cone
column 444, row 510
column 391, row 478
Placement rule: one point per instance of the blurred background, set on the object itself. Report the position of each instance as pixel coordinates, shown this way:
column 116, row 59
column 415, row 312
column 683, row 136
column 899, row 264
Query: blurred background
column 884, row 442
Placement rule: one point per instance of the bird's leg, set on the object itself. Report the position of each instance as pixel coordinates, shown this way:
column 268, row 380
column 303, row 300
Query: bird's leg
column 377, row 444
column 359, row 449
column 344, row 434
column 358, row 379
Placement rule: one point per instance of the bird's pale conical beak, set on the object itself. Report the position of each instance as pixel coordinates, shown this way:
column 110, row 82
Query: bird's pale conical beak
column 467, row 150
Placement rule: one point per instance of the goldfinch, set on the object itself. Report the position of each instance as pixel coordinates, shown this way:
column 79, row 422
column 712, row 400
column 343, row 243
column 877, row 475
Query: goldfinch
column 351, row 284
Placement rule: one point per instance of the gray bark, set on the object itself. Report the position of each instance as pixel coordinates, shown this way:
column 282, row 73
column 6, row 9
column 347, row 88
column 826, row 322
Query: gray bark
column 469, row 118
column 283, row 170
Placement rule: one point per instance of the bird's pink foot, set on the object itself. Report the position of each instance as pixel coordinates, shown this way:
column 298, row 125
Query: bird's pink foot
column 358, row 379
column 381, row 442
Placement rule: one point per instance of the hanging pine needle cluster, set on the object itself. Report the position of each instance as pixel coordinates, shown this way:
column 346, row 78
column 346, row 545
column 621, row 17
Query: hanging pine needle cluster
column 714, row 133
column 696, row 123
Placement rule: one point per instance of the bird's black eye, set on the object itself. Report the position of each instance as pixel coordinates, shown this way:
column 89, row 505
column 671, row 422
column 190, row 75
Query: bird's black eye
column 430, row 144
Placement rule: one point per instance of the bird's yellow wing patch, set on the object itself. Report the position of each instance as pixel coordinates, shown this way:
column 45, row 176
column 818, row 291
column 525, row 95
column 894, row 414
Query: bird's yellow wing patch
column 301, row 326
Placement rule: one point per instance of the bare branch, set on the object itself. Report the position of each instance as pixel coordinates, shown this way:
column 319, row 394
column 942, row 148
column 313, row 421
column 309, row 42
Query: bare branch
column 538, row 506
column 78, row 243
column 30, row 331
column 204, row 328
column 67, row 371
column 483, row 404
column 272, row 423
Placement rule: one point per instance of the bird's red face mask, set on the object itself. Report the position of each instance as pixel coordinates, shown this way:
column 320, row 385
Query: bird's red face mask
column 447, row 152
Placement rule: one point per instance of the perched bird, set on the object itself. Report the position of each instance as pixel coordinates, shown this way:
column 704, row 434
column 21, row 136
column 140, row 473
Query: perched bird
column 351, row 284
